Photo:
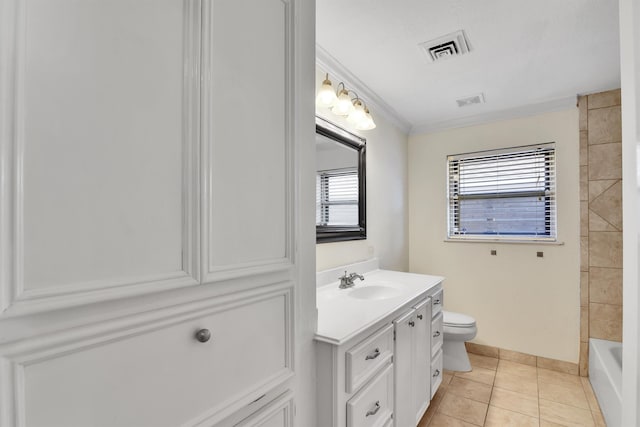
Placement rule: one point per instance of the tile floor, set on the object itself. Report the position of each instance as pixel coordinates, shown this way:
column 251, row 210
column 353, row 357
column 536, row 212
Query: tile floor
column 500, row 393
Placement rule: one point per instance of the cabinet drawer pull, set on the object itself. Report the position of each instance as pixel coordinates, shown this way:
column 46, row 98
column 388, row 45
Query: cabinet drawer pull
column 203, row 335
column 412, row 323
column 373, row 355
column 420, row 316
column 375, row 409
column 436, row 302
column 437, row 334
column 436, row 373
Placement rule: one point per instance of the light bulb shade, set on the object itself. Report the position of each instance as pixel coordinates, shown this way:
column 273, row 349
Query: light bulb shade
column 357, row 115
column 367, row 123
column 343, row 105
column 326, row 95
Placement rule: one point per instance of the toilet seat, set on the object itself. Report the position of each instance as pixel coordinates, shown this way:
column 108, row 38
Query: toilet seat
column 458, row 320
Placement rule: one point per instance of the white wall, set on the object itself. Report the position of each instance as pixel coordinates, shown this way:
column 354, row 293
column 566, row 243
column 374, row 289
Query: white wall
column 387, row 208
column 520, row 302
column 630, row 78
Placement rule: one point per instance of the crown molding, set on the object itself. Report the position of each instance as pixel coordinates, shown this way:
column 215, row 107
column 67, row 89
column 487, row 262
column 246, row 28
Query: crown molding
column 331, row 65
column 558, row 104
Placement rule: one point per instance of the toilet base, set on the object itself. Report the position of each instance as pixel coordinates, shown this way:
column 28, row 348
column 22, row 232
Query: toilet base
column 455, row 356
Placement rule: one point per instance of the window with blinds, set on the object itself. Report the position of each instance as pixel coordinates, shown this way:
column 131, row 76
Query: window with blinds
column 507, row 194
column 337, row 197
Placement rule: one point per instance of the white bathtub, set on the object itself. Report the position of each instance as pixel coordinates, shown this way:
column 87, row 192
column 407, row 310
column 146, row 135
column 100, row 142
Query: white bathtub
column 605, row 375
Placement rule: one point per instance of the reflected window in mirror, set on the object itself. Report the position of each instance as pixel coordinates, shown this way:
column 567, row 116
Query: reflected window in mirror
column 340, row 184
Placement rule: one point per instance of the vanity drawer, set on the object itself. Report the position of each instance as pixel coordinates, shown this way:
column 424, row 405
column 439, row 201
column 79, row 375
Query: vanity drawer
column 437, row 334
column 436, row 372
column 437, row 302
column 373, row 405
column 366, row 358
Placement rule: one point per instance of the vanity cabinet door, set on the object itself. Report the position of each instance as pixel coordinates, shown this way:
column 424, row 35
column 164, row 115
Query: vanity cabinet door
column 421, row 358
column 403, row 355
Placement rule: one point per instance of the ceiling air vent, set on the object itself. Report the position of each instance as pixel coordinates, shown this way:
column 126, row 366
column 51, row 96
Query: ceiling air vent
column 471, row 100
column 445, row 47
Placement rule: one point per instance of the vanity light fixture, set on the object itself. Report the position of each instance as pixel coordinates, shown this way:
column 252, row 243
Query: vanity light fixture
column 342, row 104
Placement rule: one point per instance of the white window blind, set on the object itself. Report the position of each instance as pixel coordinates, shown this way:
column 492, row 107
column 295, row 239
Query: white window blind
column 504, row 194
column 337, row 197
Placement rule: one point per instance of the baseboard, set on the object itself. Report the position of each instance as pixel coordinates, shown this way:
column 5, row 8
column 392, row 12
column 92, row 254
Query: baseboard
column 524, row 358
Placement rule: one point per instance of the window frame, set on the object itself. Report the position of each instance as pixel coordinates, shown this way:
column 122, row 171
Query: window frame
column 551, row 199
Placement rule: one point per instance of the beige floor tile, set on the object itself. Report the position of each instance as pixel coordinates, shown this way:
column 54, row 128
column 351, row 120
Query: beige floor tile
column 441, row 420
column 565, row 415
column 568, row 393
column 598, row 419
column 545, row 423
column 446, row 378
column 498, row 417
column 470, row 389
column 517, row 402
column 463, row 409
column 517, row 383
column 428, row 415
column 557, row 377
column 481, row 375
column 486, row 362
column 525, row 371
column 591, row 397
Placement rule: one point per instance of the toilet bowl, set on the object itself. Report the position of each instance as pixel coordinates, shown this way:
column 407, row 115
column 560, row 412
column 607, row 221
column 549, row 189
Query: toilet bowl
column 458, row 328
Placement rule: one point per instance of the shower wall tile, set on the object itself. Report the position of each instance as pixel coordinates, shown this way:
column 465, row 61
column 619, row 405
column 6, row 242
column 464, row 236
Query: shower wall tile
column 584, row 323
column 608, row 205
column 600, row 220
column 584, row 288
column 584, row 253
column 605, row 285
column 584, row 183
column 604, row 125
column 604, row 99
column 605, row 161
column 597, row 187
column 605, row 249
column 584, row 218
column 584, row 148
column 597, row 223
column 605, row 321
column 584, row 359
column 582, row 109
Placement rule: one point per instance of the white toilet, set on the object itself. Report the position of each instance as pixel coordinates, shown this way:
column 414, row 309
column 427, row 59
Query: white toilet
column 458, row 328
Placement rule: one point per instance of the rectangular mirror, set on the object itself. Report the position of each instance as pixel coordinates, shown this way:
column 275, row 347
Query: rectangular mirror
column 340, row 184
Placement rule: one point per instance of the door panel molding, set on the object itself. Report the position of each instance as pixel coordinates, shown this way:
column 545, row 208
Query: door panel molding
column 15, row 299
column 18, row 355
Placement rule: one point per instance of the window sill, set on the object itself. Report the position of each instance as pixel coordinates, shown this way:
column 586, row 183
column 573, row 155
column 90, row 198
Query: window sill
column 515, row 241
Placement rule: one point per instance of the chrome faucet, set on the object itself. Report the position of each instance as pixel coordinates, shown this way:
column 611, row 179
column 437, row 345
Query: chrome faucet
column 346, row 281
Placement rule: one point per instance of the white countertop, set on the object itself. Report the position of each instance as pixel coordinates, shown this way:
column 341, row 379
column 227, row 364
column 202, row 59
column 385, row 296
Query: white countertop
column 341, row 316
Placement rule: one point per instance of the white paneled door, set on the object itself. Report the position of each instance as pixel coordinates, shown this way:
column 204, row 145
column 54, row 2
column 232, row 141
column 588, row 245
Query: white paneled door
column 147, row 212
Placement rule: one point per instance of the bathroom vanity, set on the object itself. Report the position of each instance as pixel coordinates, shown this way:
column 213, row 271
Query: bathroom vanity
column 379, row 347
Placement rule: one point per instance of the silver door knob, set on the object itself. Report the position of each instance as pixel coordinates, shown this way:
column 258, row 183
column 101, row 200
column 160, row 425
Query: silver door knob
column 412, row 323
column 203, row 335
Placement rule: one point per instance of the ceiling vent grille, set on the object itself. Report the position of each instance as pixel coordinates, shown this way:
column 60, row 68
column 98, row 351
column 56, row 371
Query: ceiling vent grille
column 471, row 100
column 445, row 47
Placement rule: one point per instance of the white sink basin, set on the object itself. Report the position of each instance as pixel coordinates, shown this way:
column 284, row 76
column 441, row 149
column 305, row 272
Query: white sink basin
column 375, row 292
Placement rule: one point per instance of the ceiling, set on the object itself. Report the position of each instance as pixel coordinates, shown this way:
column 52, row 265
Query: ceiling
column 526, row 56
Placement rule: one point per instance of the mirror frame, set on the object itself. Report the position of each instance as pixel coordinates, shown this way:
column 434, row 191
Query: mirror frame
column 339, row 233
